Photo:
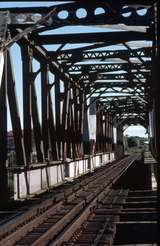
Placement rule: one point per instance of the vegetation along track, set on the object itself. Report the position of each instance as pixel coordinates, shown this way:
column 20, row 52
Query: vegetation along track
column 49, row 221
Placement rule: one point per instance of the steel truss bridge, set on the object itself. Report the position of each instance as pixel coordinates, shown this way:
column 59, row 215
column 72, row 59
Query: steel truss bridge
column 87, row 71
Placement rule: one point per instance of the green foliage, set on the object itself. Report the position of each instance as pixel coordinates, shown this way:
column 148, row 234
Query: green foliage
column 132, row 142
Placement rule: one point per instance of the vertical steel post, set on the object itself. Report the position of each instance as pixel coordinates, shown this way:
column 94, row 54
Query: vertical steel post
column 75, row 132
column 80, row 122
column 158, row 115
column 57, row 113
column 109, row 133
column 52, row 131
column 45, row 109
column 70, row 151
column 106, row 131
column 85, row 130
column 14, row 112
column 36, row 123
column 3, row 138
column 27, row 131
column 65, row 113
column 111, row 119
column 156, row 106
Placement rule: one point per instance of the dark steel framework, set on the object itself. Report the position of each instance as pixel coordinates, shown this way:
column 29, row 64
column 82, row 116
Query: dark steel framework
column 115, row 68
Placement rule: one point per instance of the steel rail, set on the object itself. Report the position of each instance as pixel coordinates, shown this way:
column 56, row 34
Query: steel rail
column 38, row 228
column 99, row 229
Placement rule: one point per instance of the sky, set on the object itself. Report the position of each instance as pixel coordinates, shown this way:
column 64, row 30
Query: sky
column 15, row 51
column 136, row 131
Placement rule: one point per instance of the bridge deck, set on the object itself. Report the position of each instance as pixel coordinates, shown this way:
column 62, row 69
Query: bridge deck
column 66, row 215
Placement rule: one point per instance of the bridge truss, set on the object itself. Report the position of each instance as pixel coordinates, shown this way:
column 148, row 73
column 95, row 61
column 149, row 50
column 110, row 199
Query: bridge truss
column 107, row 76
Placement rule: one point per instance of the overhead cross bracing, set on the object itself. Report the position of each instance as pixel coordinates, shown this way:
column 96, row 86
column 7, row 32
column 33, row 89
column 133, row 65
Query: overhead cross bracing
column 93, row 59
column 86, row 71
column 89, row 73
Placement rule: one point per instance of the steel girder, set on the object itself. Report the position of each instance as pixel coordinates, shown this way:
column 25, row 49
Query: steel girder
column 102, row 55
column 82, row 72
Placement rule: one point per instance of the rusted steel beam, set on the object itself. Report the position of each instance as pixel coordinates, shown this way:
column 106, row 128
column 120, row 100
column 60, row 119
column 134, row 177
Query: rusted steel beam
column 58, row 114
column 77, row 110
column 39, row 54
column 26, row 73
column 45, row 108
column 157, row 110
column 65, row 113
column 36, row 123
column 80, row 106
column 15, row 117
column 106, row 130
column 3, row 137
column 52, row 131
column 72, row 124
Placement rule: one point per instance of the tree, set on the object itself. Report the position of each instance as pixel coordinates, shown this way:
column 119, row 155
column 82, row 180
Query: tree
column 132, row 142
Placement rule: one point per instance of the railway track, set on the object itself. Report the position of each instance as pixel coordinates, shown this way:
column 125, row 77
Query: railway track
column 124, row 217
column 57, row 219
column 100, row 229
